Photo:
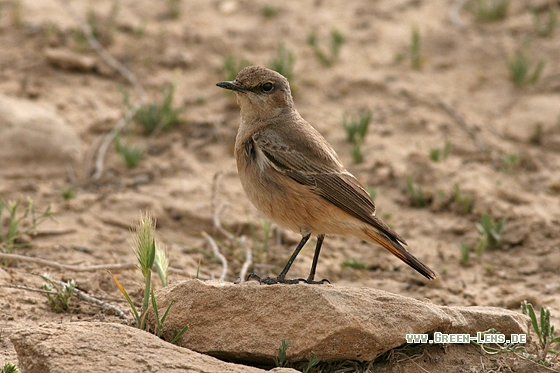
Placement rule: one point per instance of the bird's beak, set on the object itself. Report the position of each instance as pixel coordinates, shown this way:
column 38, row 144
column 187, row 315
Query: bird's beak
column 234, row 86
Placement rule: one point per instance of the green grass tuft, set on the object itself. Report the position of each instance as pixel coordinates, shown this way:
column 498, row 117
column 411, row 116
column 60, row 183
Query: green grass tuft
column 356, row 128
column 336, row 42
column 521, row 69
column 545, row 29
column 490, row 10
column 415, row 54
column 281, row 360
column 159, row 117
column 131, row 155
column 18, row 221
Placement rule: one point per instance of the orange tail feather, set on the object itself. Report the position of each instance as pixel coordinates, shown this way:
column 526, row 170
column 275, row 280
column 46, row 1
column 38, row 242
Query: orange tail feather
column 400, row 252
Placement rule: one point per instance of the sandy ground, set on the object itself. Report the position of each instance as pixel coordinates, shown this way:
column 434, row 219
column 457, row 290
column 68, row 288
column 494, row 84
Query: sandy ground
column 462, row 94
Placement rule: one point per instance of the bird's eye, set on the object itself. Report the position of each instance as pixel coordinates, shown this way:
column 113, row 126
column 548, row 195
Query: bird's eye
column 267, row 87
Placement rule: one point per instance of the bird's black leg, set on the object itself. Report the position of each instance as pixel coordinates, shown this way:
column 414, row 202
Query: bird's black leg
column 281, row 279
column 310, row 279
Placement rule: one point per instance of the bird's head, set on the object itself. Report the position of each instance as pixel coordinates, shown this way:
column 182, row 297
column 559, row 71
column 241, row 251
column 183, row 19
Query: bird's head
column 261, row 93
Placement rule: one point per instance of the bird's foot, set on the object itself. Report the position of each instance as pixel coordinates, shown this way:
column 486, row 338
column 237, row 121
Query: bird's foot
column 274, row 280
column 320, row 282
column 283, row 280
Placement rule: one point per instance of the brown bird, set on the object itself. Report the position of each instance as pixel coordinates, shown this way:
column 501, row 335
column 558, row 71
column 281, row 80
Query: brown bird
column 294, row 177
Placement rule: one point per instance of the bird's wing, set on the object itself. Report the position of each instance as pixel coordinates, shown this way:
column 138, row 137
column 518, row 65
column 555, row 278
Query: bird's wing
column 310, row 164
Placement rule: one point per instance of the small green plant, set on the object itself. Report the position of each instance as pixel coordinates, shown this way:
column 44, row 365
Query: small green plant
column 68, row 192
column 356, row 153
column 130, row 154
column 284, row 62
column 547, row 28
column 232, row 66
column 520, row 65
column 58, row 295
column 354, row 263
column 161, row 264
column 147, row 255
column 269, row 11
column 464, row 201
column 510, row 162
column 18, row 223
column 416, row 193
column 465, row 253
column 490, row 232
column 313, row 361
column 281, row 360
column 548, row 341
column 159, row 117
column 490, row 10
column 415, row 56
column 356, row 128
column 337, row 39
column 9, row 368
column 174, row 8
column 437, row 154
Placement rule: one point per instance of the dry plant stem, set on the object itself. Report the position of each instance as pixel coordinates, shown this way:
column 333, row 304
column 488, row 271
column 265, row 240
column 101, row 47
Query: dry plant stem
column 454, row 13
column 94, row 268
column 216, row 214
column 248, row 259
column 219, row 255
column 77, row 293
column 102, row 52
column 218, row 226
column 94, row 301
column 480, row 145
column 53, row 232
column 49, row 263
column 108, row 139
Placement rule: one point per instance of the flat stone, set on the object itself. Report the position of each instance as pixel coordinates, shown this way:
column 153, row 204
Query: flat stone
column 109, row 347
column 68, row 60
column 248, row 322
column 32, row 133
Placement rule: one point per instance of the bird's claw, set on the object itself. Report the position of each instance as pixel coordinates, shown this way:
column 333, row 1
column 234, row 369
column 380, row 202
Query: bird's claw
column 282, row 280
column 320, row 282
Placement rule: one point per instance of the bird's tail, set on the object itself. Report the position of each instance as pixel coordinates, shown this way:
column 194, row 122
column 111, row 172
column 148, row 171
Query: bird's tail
column 400, row 252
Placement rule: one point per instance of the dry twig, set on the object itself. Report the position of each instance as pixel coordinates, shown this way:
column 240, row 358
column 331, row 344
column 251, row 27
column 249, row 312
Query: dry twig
column 216, row 213
column 108, row 138
column 473, row 134
column 57, row 265
column 248, row 259
column 77, row 293
column 94, row 301
column 218, row 254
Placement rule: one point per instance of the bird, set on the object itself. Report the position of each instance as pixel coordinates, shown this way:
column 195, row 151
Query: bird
column 294, row 177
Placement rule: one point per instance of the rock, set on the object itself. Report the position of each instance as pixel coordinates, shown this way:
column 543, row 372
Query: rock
column 68, row 60
column 109, row 347
column 248, row 322
column 32, row 133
